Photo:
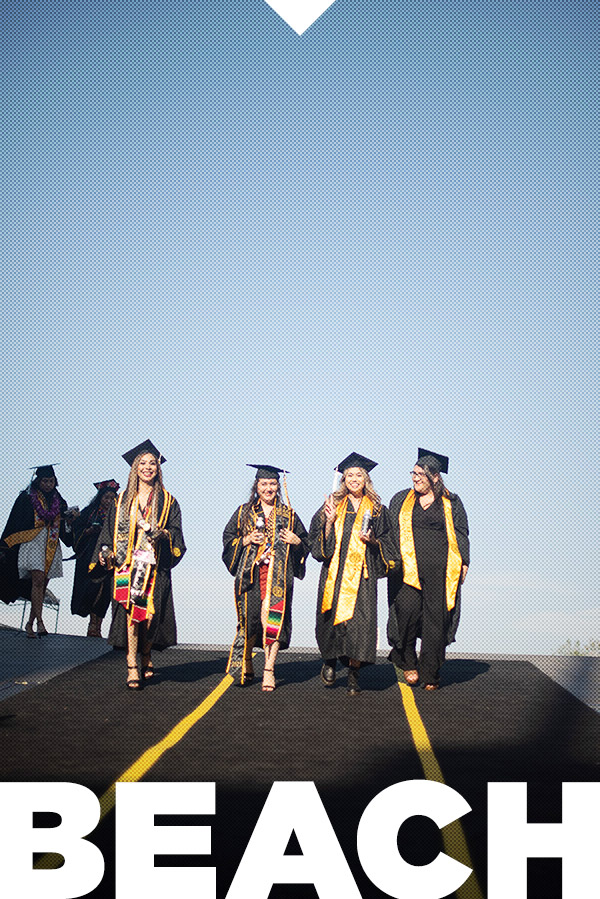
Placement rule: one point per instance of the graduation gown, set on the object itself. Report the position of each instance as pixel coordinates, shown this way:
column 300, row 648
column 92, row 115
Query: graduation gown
column 431, row 552
column 162, row 630
column 20, row 528
column 242, row 563
column 89, row 595
column 357, row 637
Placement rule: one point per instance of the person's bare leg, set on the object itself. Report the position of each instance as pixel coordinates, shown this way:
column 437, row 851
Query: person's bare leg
column 38, row 589
column 133, row 676
column 146, row 650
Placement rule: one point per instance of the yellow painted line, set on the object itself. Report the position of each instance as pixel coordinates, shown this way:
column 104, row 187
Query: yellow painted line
column 453, row 836
column 149, row 758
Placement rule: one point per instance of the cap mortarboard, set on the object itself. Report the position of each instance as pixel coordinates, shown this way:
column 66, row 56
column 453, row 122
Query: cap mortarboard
column 44, row 471
column 434, row 460
column 355, row 460
column 267, row 471
column 146, row 447
column 105, row 485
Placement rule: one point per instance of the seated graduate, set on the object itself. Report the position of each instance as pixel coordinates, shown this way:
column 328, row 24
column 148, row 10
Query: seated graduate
column 140, row 542
column 348, row 535
column 91, row 597
column 431, row 533
column 38, row 520
column 265, row 548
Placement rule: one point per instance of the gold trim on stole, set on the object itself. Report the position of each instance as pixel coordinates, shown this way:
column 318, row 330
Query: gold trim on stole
column 454, row 564
column 353, row 566
column 409, row 557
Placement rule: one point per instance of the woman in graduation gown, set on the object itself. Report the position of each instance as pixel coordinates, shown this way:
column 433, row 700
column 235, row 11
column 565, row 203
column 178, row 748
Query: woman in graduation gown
column 141, row 541
column 431, row 534
column 349, row 536
column 38, row 521
column 265, row 548
column 91, row 597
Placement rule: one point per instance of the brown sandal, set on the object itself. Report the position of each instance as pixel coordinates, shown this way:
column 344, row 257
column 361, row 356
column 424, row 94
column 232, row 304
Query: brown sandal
column 268, row 688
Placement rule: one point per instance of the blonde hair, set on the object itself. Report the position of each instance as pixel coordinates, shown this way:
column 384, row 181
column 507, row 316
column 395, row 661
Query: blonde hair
column 133, row 484
column 369, row 491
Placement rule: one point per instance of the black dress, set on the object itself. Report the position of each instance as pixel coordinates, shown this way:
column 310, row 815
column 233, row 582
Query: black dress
column 242, row 563
column 89, row 597
column 424, row 612
column 162, row 630
column 357, row 637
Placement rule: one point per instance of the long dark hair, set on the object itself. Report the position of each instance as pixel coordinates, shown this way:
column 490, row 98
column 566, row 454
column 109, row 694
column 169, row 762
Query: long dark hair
column 438, row 487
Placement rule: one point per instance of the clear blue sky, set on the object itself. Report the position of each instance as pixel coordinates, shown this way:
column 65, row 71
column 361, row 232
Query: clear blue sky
column 254, row 246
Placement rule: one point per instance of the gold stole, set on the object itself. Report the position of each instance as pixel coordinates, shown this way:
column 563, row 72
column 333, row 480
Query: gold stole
column 409, row 557
column 120, row 538
column 353, row 567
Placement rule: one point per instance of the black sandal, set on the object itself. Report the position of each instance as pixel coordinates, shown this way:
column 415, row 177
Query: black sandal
column 147, row 670
column 135, row 683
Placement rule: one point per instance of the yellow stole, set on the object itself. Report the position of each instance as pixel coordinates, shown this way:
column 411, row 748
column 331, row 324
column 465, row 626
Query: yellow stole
column 409, row 557
column 353, row 567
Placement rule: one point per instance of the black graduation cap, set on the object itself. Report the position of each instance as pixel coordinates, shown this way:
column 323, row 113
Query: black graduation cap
column 107, row 485
column 44, row 471
column 433, row 460
column 267, row 471
column 355, row 460
column 146, row 447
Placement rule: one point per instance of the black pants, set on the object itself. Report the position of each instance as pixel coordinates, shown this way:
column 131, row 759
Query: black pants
column 420, row 613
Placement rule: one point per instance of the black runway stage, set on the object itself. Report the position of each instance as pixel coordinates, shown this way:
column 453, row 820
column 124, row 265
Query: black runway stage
column 494, row 719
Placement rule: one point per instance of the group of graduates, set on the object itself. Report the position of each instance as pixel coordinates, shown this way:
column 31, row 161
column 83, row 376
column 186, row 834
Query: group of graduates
column 421, row 544
column 126, row 544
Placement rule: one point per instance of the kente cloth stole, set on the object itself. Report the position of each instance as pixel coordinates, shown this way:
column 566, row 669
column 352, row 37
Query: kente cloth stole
column 353, row 567
column 281, row 517
column 409, row 557
column 235, row 663
column 135, row 575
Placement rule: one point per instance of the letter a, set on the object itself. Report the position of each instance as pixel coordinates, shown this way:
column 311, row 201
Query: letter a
column 293, row 807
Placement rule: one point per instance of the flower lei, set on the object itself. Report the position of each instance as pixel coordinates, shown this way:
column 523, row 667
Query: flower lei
column 41, row 511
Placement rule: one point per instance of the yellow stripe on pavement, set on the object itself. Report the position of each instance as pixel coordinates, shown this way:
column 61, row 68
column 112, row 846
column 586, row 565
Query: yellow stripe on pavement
column 455, row 844
column 140, row 767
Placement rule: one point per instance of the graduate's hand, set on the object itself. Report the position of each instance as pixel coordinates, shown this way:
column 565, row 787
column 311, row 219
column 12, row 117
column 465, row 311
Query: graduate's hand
column 289, row 537
column 329, row 509
column 463, row 573
column 368, row 537
column 254, row 536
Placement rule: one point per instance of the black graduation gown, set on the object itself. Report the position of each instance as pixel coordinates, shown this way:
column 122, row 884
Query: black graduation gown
column 356, row 638
column 424, row 548
column 22, row 518
column 162, row 630
column 89, row 595
column 240, row 561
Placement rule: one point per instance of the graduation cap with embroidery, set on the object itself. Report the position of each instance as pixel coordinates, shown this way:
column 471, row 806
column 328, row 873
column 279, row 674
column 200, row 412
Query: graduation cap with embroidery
column 355, row 460
column 146, row 447
column 267, row 471
column 434, row 461
column 107, row 485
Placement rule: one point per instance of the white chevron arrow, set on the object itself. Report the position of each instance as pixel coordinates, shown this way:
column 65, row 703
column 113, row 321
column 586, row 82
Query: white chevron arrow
column 299, row 14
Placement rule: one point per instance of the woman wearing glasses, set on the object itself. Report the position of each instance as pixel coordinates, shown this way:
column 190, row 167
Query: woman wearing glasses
column 432, row 534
